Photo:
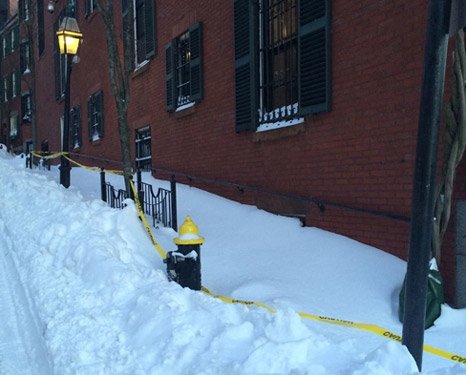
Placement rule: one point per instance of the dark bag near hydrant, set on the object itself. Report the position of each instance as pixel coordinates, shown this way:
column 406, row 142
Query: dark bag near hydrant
column 435, row 297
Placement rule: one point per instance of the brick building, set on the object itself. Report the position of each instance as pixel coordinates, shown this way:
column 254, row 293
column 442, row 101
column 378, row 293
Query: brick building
column 304, row 108
column 15, row 70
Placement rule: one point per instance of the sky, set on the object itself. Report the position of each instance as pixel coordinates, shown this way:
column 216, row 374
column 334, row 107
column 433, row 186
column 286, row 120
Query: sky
column 83, row 291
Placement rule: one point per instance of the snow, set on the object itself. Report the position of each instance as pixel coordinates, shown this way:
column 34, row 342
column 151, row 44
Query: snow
column 83, row 291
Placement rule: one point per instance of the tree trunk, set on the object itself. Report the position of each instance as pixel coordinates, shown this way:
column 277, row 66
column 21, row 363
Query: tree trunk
column 454, row 146
column 119, row 84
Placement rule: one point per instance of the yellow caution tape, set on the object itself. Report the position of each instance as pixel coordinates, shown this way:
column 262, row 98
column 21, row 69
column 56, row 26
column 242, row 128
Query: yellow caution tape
column 378, row 330
column 146, row 224
column 49, row 156
column 95, row 169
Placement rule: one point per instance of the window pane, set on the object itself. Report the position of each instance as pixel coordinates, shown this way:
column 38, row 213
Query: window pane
column 278, row 55
column 183, row 58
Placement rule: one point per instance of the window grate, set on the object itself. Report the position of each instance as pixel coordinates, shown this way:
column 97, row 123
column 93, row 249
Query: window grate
column 278, row 61
column 183, row 59
column 143, row 149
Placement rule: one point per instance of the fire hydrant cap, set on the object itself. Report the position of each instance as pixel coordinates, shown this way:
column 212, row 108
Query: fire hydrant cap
column 189, row 234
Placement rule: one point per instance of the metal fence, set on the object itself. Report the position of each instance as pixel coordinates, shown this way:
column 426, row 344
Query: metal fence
column 160, row 206
column 115, row 197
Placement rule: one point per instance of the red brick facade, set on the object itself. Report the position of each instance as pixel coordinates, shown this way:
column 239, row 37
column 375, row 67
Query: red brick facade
column 360, row 154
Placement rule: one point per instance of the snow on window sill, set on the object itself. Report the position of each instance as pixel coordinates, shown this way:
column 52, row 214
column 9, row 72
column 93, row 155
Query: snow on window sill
column 141, row 65
column 185, row 106
column 140, row 68
column 279, row 124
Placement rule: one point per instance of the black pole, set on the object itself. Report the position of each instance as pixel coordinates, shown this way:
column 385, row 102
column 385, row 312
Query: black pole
column 64, row 163
column 139, row 189
column 424, row 178
column 103, row 185
column 173, row 203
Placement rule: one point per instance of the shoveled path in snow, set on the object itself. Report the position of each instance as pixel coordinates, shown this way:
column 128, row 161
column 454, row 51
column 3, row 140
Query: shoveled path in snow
column 22, row 347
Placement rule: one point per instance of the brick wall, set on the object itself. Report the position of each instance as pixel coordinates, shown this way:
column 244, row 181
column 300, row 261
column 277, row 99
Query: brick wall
column 360, row 154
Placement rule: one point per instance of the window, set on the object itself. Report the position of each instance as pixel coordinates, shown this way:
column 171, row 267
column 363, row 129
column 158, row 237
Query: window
column 24, row 10
column 95, row 116
column 6, row 88
column 143, row 149
column 89, row 6
column 282, row 61
column 26, row 108
column 144, row 30
column 184, row 75
column 75, row 121
column 4, row 47
column 14, row 125
column 14, row 38
column 72, row 8
column 139, row 30
column 15, row 84
column 25, row 58
column 278, row 68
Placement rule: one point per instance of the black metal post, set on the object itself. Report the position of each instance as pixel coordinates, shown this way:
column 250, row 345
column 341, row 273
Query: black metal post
column 173, row 203
column 103, row 185
column 64, row 163
column 140, row 190
column 424, row 178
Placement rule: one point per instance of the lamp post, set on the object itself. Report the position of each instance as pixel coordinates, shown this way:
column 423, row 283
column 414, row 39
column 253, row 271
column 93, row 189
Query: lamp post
column 69, row 38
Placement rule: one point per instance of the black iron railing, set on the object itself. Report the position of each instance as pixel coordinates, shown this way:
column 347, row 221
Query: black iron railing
column 161, row 207
column 115, row 197
column 158, row 206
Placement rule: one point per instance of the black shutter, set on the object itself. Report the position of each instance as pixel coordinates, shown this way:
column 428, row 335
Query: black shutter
column 17, row 82
column 22, row 57
column 246, row 15
column 124, row 6
column 170, row 71
column 100, row 110
column 150, row 27
column 8, row 47
column 16, row 38
column 314, row 86
column 90, row 106
column 195, row 65
column 21, row 9
column 9, row 88
column 23, row 108
column 87, row 7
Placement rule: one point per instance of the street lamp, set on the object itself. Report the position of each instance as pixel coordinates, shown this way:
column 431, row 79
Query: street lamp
column 69, row 38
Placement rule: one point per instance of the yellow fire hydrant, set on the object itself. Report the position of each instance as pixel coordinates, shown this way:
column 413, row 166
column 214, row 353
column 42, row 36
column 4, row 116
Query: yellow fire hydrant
column 184, row 264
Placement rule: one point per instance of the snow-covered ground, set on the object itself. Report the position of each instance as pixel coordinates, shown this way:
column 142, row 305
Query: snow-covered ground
column 83, row 291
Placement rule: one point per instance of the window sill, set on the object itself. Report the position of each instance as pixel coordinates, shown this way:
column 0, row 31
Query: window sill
column 185, row 110
column 279, row 124
column 141, row 68
column 90, row 16
column 279, row 132
column 96, row 142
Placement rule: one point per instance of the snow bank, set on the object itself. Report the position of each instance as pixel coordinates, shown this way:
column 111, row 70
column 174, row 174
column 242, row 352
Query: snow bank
column 104, row 304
